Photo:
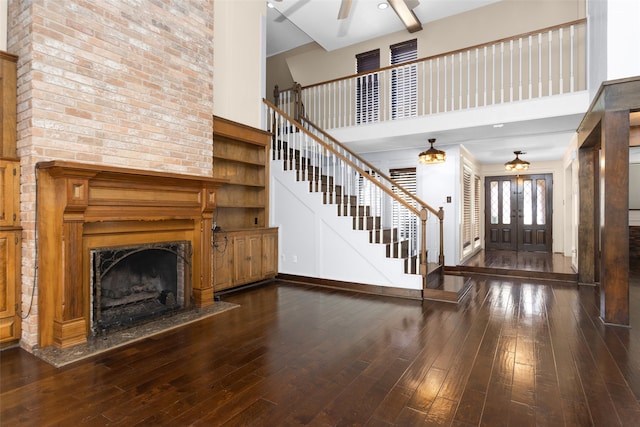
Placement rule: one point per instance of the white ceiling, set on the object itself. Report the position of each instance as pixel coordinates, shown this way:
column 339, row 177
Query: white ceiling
column 292, row 23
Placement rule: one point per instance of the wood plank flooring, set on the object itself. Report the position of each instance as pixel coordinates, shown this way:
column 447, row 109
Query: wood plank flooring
column 516, row 352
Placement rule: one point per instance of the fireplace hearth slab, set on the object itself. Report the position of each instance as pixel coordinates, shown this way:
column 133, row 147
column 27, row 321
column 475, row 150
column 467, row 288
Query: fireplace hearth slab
column 96, row 345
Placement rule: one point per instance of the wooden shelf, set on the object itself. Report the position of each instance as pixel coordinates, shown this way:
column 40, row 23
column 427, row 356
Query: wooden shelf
column 217, row 156
column 240, row 156
column 245, row 248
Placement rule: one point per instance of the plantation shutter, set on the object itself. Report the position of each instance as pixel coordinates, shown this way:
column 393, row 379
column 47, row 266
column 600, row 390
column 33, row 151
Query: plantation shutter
column 466, row 208
column 367, row 89
column 476, row 210
column 404, row 80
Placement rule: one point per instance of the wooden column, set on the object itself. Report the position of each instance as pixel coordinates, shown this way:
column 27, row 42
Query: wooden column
column 587, row 227
column 614, row 295
column 62, row 202
column 203, row 288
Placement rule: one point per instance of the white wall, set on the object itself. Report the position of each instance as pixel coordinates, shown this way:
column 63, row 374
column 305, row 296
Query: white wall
column 613, row 41
column 623, row 39
column 315, row 242
column 239, row 57
column 571, row 201
column 3, row 24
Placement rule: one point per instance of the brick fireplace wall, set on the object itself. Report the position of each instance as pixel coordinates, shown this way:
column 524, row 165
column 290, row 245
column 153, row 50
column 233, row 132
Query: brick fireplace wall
column 110, row 82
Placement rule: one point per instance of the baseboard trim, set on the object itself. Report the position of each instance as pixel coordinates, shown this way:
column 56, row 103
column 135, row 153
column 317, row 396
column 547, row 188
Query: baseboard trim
column 414, row 294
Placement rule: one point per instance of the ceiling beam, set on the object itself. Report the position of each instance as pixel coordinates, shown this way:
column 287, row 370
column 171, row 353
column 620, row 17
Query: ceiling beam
column 406, row 15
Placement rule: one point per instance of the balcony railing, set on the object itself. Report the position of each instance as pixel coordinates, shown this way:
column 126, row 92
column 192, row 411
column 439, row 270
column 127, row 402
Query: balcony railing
column 547, row 62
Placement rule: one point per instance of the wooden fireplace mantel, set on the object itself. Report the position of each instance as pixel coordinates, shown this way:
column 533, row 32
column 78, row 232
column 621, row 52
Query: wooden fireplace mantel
column 84, row 206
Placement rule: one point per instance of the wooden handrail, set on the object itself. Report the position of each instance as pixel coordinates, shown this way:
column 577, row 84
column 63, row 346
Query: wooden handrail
column 345, row 159
column 442, row 55
column 373, row 168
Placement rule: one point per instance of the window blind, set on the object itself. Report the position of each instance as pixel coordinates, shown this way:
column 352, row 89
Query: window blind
column 404, row 80
column 367, row 90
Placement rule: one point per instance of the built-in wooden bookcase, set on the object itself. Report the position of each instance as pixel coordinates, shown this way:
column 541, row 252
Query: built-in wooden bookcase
column 245, row 248
column 10, row 230
column 240, row 156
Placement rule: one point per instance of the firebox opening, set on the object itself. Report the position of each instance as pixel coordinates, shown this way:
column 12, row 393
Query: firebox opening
column 131, row 285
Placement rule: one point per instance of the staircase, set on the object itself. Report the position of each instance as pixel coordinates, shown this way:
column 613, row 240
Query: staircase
column 390, row 215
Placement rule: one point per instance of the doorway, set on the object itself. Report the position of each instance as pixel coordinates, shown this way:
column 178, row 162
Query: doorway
column 518, row 212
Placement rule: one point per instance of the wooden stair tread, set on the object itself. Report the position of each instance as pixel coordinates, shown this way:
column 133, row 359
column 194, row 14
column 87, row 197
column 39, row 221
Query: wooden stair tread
column 446, row 287
column 542, row 275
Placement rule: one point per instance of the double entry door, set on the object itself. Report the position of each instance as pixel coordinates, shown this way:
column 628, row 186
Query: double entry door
column 518, row 212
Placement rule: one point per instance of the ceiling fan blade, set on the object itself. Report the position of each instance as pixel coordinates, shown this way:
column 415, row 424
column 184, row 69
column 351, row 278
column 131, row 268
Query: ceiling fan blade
column 406, row 15
column 345, row 7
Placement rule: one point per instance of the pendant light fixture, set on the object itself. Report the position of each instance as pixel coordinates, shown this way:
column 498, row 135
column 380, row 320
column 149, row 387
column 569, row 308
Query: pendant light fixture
column 517, row 164
column 432, row 155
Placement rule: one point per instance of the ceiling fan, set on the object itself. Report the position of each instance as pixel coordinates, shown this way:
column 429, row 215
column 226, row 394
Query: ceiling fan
column 403, row 8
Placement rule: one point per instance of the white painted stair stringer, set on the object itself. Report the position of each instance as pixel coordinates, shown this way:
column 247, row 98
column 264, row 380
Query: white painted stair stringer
column 315, row 242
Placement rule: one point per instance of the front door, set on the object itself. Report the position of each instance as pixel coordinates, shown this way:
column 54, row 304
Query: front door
column 518, row 212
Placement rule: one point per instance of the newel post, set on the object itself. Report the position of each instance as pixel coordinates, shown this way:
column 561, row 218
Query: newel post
column 276, row 96
column 423, row 247
column 297, row 98
column 441, row 256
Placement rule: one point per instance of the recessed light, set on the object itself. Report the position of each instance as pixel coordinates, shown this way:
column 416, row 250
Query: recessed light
column 498, row 125
column 270, row 5
column 383, row 5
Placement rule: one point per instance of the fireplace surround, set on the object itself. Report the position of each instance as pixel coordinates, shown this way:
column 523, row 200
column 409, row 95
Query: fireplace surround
column 82, row 208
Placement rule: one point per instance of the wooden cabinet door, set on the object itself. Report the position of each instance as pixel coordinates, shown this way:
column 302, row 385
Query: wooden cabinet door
column 9, row 193
column 222, row 262
column 255, row 257
column 269, row 254
column 247, row 258
column 9, row 268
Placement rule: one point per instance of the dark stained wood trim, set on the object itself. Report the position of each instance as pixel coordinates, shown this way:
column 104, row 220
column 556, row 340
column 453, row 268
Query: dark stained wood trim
column 614, row 307
column 606, row 127
column 415, row 294
column 614, row 95
column 491, row 271
column 588, row 215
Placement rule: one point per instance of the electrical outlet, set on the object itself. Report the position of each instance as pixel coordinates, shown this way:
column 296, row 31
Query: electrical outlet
column 294, row 258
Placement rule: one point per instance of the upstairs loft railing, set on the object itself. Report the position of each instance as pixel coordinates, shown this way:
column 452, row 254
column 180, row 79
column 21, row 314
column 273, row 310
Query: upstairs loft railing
column 543, row 63
column 377, row 203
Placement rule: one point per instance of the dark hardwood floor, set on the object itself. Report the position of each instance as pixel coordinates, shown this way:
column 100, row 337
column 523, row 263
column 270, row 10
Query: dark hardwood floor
column 515, row 352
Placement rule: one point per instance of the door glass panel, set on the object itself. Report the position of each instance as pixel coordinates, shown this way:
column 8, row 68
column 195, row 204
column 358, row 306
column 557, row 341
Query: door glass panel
column 506, row 202
column 541, row 198
column 527, row 205
column 495, row 210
